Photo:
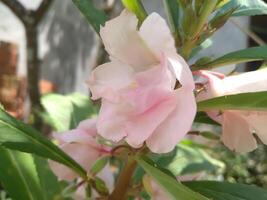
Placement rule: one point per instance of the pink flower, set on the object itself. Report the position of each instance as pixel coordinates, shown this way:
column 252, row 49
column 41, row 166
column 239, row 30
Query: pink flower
column 139, row 100
column 238, row 125
column 81, row 145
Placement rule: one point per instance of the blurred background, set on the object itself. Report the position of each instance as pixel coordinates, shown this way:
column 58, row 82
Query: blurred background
column 47, row 46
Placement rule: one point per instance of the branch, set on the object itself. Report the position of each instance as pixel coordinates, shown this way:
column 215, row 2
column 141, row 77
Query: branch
column 18, row 9
column 40, row 12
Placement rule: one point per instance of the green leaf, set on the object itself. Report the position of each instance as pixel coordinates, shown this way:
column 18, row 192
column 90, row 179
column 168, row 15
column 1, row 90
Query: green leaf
column 94, row 16
column 202, row 117
column 245, row 7
column 99, row 165
column 65, row 112
column 204, row 45
column 48, row 180
column 136, row 7
column 189, row 160
column 245, row 55
column 244, row 101
column 176, row 190
column 172, row 11
column 18, row 175
column 227, row 191
column 19, row 136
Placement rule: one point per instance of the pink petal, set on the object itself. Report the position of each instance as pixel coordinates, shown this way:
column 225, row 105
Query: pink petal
column 181, row 71
column 75, row 135
column 236, row 132
column 254, row 81
column 175, row 127
column 257, row 121
column 156, row 34
column 88, row 125
column 83, row 154
column 156, row 107
column 108, row 78
column 123, row 42
column 110, row 121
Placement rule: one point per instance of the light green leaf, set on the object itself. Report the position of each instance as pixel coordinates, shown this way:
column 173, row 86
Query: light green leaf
column 245, row 55
column 94, row 16
column 245, row 7
column 189, row 160
column 19, row 136
column 172, row 11
column 65, row 112
column 18, row 175
column 245, row 101
column 136, row 7
column 202, row 117
column 176, row 190
column 48, row 181
column 204, row 45
column 227, row 191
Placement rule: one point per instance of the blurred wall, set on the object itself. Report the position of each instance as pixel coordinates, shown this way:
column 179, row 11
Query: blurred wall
column 68, row 46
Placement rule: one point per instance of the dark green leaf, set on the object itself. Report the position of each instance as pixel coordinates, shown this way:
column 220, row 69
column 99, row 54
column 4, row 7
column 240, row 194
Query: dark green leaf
column 245, row 7
column 48, row 180
column 136, row 7
column 227, row 191
column 243, row 101
column 245, row 55
column 202, row 117
column 175, row 189
column 19, row 136
column 65, row 112
column 172, row 11
column 18, row 175
column 94, row 16
column 99, row 165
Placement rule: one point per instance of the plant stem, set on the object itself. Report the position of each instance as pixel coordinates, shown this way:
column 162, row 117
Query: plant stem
column 205, row 11
column 123, row 182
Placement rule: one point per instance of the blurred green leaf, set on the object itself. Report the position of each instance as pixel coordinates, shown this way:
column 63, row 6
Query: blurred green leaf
column 65, row 112
column 227, row 191
column 18, row 175
column 172, row 12
column 176, row 190
column 136, row 7
column 19, row 136
column 204, row 45
column 245, row 7
column 189, row 160
column 202, row 117
column 93, row 15
column 99, row 165
column 48, row 181
column 245, row 55
column 244, row 101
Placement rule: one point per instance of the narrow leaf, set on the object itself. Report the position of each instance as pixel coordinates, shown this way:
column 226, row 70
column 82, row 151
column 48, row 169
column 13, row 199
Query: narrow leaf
column 245, row 7
column 48, row 181
column 227, row 191
column 18, row 175
column 245, row 55
column 172, row 11
column 245, row 101
column 94, row 16
column 136, row 7
column 19, row 136
column 66, row 111
column 176, row 190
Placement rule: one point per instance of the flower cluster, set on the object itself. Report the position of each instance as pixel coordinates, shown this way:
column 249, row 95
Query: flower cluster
column 147, row 97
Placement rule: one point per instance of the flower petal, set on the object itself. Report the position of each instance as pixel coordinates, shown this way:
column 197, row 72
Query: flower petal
column 156, row 34
column 123, row 42
column 181, row 71
column 175, row 127
column 108, row 78
column 83, row 154
column 236, row 132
